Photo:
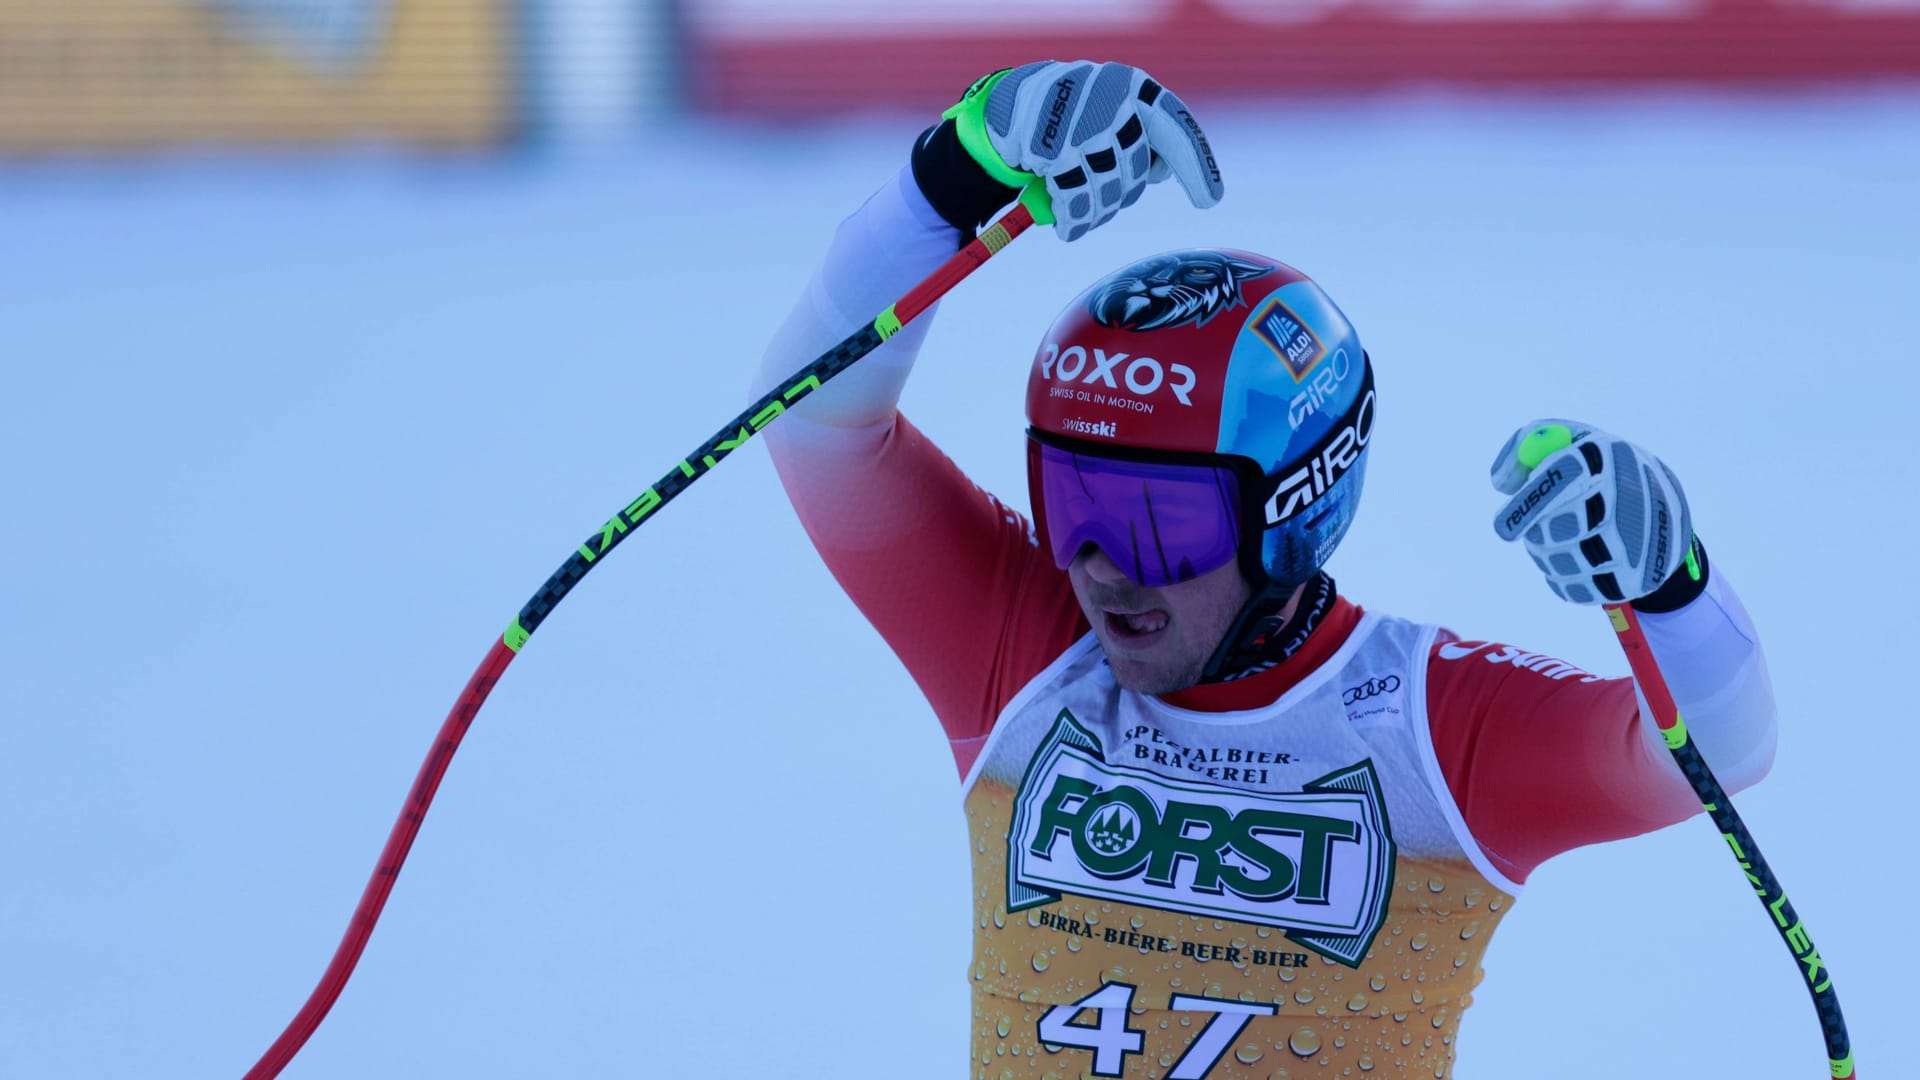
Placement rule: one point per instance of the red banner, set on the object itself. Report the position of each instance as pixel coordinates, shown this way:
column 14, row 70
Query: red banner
column 791, row 56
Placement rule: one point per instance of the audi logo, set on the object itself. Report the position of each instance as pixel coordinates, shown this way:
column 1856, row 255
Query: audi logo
column 1353, row 695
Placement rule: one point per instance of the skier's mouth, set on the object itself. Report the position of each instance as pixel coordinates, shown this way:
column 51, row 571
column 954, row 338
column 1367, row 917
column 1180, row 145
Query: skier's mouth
column 1136, row 627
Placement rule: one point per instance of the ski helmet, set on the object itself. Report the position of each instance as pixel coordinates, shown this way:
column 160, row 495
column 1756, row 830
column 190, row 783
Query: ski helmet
column 1196, row 407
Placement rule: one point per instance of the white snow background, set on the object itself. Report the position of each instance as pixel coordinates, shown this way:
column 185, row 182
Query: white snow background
column 291, row 440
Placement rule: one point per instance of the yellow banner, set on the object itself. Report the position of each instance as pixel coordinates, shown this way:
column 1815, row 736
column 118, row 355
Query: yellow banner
column 77, row 74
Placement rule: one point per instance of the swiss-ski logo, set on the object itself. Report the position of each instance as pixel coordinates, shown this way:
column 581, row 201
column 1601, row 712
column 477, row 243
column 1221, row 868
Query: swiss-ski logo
column 1317, row 863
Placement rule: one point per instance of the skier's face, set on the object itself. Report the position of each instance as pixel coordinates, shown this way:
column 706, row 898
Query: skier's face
column 1158, row 640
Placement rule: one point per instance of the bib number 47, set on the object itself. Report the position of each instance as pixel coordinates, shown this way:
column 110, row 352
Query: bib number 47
column 1111, row 1040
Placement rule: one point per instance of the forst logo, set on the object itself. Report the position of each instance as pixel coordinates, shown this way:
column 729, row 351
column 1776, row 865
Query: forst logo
column 1118, row 832
column 1317, row 862
column 1113, row 832
column 1142, row 376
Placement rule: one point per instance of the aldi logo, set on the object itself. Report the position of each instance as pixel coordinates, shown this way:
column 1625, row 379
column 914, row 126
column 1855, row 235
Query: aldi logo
column 1289, row 336
column 1317, row 863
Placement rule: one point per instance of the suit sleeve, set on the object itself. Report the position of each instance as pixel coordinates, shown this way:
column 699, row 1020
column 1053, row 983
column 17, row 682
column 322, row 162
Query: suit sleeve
column 1542, row 757
column 950, row 576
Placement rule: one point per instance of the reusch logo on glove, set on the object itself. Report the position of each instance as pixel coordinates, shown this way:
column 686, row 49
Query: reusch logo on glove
column 1317, row 863
column 1056, row 113
column 1142, row 376
column 1200, row 140
column 1541, row 490
column 1662, row 539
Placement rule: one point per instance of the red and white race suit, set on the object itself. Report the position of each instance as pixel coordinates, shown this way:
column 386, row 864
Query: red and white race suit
column 1296, row 871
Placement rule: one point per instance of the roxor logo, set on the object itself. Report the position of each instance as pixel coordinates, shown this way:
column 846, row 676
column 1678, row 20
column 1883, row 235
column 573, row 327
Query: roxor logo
column 1139, row 375
column 1317, row 863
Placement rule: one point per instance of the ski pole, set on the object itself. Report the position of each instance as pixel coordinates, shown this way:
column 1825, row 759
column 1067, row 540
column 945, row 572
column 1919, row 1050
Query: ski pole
column 583, row 559
column 1646, row 671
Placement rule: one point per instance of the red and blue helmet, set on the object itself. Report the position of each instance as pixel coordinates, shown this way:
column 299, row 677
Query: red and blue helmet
column 1196, row 407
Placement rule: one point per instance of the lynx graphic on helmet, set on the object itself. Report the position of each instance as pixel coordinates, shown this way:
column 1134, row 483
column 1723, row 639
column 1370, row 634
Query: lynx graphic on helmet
column 1174, row 289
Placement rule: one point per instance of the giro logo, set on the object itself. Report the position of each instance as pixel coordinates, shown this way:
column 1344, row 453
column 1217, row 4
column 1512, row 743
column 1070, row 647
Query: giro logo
column 1324, row 384
column 1354, row 695
column 1142, row 376
column 1332, row 459
column 1317, row 863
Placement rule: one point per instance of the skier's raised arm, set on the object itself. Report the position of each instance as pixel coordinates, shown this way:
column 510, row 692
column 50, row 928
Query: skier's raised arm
column 1544, row 757
column 884, row 507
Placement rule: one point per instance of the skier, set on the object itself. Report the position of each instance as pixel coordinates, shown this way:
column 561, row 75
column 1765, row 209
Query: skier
column 1225, row 822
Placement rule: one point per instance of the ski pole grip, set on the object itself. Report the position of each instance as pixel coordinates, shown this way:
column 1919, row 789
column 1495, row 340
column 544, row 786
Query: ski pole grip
column 991, row 239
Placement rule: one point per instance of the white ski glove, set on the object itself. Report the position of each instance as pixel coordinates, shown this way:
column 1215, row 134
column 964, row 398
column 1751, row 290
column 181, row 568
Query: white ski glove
column 1081, row 140
column 1603, row 519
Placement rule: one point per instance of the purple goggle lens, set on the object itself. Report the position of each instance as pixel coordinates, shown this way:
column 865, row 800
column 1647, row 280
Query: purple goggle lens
column 1160, row 523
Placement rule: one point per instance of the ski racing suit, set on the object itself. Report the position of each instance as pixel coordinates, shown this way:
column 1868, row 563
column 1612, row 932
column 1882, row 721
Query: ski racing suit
column 1294, row 873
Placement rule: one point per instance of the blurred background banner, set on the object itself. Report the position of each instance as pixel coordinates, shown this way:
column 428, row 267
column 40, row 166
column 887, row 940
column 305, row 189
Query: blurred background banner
column 776, row 56
column 83, row 74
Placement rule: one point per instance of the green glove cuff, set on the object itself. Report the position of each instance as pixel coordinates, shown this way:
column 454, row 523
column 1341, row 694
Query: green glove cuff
column 969, row 116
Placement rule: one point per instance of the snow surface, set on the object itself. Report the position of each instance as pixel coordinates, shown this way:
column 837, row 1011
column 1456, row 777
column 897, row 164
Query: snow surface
column 292, row 439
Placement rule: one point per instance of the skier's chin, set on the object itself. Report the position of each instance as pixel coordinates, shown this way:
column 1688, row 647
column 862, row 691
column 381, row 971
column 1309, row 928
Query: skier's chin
column 1160, row 670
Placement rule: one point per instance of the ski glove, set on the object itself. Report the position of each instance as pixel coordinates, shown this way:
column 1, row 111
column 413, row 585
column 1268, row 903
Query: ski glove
column 1602, row 518
column 1076, row 142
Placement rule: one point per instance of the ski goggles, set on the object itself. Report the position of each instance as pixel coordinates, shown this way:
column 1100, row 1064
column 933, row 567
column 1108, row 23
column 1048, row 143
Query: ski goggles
column 1160, row 522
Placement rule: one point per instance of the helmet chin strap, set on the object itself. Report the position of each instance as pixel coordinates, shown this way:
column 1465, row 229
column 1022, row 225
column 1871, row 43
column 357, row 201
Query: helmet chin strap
column 1260, row 638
